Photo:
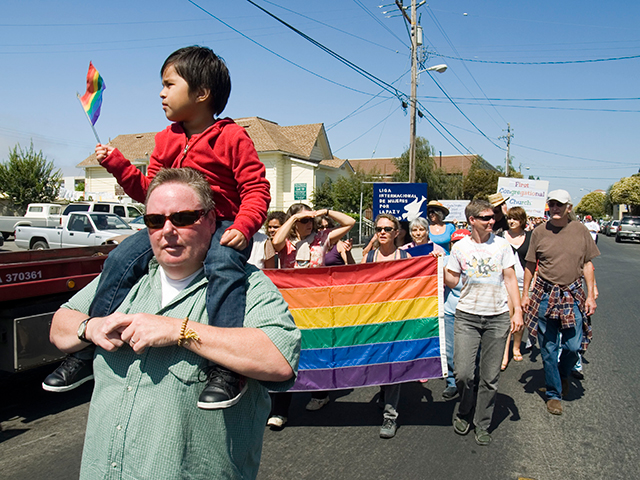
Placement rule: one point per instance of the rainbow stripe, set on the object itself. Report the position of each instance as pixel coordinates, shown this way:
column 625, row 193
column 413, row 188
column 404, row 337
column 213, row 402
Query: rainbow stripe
column 370, row 324
column 92, row 98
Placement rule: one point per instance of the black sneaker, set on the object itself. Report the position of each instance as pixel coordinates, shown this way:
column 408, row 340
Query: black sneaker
column 72, row 373
column 224, row 389
column 450, row 392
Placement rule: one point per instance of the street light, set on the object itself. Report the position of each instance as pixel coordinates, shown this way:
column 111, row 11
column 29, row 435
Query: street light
column 436, row 68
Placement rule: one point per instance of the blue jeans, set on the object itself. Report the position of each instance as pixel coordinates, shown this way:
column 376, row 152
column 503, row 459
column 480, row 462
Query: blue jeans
column 471, row 332
column 449, row 320
column 552, row 347
column 223, row 267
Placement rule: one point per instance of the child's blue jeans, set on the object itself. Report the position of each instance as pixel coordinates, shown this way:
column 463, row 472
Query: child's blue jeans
column 223, row 267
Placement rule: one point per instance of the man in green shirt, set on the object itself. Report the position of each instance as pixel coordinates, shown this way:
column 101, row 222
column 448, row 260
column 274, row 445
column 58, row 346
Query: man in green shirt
column 152, row 354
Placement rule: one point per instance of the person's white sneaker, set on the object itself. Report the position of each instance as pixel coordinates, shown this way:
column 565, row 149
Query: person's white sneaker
column 276, row 421
column 317, row 403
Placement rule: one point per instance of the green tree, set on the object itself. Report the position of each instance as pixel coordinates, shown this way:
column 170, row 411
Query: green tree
column 593, row 203
column 322, row 197
column 626, row 191
column 481, row 180
column 343, row 195
column 27, row 177
column 346, row 192
column 440, row 185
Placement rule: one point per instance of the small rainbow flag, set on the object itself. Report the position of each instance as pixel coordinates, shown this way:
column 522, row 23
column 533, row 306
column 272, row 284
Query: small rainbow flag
column 92, row 98
column 369, row 324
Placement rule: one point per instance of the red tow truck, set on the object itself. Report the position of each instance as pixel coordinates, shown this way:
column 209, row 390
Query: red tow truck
column 33, row 285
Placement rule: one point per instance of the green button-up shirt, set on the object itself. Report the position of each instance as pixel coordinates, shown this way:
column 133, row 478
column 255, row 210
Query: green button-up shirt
column 143, row 420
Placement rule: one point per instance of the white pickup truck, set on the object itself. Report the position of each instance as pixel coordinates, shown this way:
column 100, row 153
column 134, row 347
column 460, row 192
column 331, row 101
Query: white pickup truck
column 38, row 215
column 78, row 229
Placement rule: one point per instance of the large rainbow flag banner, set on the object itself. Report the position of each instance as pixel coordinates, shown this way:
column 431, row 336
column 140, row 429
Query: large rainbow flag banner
column 368, row 324
column 92, row 98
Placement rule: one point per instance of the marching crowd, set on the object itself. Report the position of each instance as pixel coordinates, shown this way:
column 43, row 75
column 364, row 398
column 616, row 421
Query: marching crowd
column 185, row 338
column 486, row 269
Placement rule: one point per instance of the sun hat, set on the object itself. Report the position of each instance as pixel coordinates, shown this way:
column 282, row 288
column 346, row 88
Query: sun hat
column 496, row 199
column 460, row 234
column 561, row 196
column 436, row 204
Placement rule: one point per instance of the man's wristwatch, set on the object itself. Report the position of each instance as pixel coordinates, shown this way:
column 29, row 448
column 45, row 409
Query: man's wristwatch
column 82, row 330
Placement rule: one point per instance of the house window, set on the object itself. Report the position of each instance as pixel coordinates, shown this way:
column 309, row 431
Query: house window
column 142, row 168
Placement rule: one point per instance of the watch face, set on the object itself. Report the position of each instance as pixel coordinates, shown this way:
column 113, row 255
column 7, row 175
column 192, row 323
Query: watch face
column 82, row 330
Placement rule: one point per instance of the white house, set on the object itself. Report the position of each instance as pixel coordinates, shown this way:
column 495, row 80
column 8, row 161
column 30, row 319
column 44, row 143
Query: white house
column 297, row 159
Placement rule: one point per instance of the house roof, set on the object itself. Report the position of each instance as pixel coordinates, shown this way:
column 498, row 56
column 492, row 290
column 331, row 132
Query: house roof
column 337, row 163
column 451, row 164
column 267, row 136
column 136, row 147
column 379, row 166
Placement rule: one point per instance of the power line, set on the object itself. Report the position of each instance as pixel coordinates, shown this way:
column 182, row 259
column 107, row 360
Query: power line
column 274, row 53
column 461, row 112
column 540, row 107
column 576, row 157
column 563, row 62
column 455, row 50
column 353, row 66
column 379, row 22
column 605, row 99
column 330, row 26
column 364, row 133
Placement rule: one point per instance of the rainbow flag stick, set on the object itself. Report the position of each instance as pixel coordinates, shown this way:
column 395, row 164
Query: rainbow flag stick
column 87, row 115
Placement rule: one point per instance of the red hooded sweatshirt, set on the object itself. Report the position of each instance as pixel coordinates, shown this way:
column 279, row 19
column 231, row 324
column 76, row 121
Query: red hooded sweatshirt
column 223, row 153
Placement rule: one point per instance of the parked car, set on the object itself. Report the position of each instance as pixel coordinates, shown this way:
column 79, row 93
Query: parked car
column 613, row 228
column 127, row 212
column 79, row 229
column 37, row 215
column 137, row 223
column 629, row 229
column 604, row 225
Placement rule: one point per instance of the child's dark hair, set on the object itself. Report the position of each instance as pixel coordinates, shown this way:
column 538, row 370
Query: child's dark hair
column 201, row 68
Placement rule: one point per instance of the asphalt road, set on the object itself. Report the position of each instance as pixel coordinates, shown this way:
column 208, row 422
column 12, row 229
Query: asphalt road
column 595, row 438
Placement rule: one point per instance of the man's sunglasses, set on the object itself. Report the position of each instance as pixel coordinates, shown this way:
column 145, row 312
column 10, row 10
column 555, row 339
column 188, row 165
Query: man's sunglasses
column 485, row 218
column 386, row 229
column 178, row 219
column 305, row 220
column 553, row 204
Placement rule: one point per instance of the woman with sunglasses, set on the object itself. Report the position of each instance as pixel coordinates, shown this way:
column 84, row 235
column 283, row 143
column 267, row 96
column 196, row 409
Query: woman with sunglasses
column 300, row 245
column 386, row 228
column 439, row 232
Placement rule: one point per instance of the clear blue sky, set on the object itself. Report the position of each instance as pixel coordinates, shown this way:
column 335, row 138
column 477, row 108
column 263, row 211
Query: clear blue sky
column 564, row 131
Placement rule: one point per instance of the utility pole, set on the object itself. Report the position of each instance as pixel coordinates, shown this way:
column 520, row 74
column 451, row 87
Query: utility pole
column 416, row 41
column 508, row 138
column 412, row 102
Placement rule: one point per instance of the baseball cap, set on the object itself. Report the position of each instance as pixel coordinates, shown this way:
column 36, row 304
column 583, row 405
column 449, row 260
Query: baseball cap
column 561, row 196
column 460, row 234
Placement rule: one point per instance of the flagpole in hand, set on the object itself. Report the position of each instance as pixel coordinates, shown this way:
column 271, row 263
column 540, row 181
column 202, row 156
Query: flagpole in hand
column 87, row 115
column 91, row 101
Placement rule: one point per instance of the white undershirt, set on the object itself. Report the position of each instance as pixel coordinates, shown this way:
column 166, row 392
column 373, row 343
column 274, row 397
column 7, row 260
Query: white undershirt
column 171, row 288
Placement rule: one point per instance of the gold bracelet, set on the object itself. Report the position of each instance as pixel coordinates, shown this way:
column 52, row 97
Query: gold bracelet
column 186, row 334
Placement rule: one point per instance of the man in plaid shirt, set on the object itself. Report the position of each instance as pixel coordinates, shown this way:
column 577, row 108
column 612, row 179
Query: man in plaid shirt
column 558, row 307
